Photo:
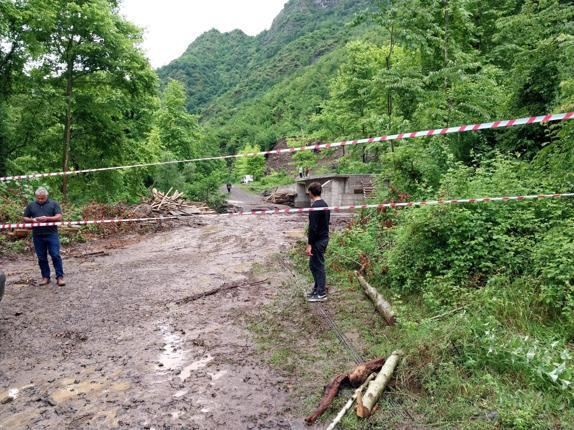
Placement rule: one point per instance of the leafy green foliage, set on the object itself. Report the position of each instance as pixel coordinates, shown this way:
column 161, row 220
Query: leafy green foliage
column 552, row 262
column 85, row 99
column 177, row 135
column 251, row 165
column 269, row 182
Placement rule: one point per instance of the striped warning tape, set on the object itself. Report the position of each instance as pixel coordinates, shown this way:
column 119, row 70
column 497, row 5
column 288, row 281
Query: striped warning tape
column 407, row 204
column 399, row 136
column 80, row 223
column 421, row 203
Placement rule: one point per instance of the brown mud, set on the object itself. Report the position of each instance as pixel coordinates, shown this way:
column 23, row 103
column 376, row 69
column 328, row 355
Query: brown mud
column 114, row 349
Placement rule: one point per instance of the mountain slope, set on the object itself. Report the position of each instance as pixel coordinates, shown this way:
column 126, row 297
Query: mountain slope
column 224, row 70
column 211, row 65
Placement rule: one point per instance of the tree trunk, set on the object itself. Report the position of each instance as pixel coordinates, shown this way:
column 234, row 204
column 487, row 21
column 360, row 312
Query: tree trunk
column 446, row 59
column 389, row 92
column 382, row 306
column 366, row 403
column 3, row 138
column 364, row 147
column 349, row 404
column 67, row 127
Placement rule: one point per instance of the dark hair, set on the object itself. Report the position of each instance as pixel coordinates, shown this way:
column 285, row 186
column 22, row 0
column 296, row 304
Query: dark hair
column 315, row 188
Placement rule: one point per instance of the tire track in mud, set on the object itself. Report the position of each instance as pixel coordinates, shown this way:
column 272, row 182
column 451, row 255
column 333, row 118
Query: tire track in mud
column 113, row 350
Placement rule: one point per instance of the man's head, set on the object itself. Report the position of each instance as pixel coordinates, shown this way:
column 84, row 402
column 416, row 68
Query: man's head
column 41, row 195
column 315, row 190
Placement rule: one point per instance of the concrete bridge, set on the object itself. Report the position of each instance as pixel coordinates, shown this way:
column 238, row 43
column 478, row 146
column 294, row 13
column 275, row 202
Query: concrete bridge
column 338, row 190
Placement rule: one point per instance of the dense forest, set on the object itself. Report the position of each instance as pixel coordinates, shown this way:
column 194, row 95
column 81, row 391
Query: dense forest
column 77, row 92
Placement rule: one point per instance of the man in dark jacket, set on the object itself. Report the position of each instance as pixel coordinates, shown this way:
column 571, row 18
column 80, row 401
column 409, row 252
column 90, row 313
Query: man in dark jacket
column 46, row 239
column 2, row 283
column 318, row 239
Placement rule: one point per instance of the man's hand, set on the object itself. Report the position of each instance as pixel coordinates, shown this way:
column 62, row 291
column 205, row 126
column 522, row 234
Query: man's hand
column 42, row 219
column 309, row 251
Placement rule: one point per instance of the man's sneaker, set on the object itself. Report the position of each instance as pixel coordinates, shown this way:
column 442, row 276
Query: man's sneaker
column 317, row 298
column 311, row 294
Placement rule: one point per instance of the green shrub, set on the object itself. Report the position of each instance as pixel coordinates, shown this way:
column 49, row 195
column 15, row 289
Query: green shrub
column 269, row 182
column 553, row 263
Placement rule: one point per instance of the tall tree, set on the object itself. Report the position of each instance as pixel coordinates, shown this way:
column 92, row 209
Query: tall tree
column 179, row 130
column 92, row 51
column 17, row 43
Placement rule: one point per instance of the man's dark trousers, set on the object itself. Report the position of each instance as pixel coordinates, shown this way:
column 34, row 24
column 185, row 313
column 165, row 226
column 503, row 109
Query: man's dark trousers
column 317, row 266
column 48, row 244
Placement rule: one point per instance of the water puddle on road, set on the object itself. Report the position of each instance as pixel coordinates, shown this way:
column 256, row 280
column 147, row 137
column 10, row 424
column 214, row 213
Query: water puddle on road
column 218, row 375
column 172, row 356
column 200, row 364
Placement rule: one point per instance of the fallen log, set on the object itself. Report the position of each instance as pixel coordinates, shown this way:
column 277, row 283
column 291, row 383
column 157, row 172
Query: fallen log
column 223, row 288
column 382, row 306
column 366, row 403
column 349, row 404
column 92, row 254
column 353, row 379
column 166, row 195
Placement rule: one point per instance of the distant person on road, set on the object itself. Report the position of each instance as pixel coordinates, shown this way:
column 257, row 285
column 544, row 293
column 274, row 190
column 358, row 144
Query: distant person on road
column 46, row 239
column 301, row 172
column 229, row 187
column 318, row 239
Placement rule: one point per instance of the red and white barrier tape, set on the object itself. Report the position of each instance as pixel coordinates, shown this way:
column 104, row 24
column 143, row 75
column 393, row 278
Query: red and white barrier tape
column 306, row 210
column 400, row 136
column 74, row 223
column 408, row 204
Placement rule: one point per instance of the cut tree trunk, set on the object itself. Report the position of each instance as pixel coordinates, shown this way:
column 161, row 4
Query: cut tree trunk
column 349, row 404
column 353, row 379
column 366, row 403
column 382, row 306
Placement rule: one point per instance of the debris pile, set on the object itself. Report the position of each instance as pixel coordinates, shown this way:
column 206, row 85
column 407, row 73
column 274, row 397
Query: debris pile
column 282, row 198
column 171, row 205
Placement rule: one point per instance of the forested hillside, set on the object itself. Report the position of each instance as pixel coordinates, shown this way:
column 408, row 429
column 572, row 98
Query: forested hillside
column 76, row 92
column 243, row 76
column 484, row 292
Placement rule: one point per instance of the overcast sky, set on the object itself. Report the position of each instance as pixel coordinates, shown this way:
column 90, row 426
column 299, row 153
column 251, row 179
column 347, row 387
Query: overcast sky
column 171, row 25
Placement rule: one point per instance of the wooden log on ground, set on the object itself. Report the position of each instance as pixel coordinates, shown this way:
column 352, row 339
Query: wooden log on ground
column 224, row 287
column 382, row 306
column 92, row 254
column 366, row 403
column 354, row 379
column 349, row 404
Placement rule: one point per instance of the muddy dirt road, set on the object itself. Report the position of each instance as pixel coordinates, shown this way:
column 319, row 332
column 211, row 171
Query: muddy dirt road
column 119, row 346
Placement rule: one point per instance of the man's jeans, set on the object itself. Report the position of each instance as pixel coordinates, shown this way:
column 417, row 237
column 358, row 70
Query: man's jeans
column 49, row 244
column 317, row 266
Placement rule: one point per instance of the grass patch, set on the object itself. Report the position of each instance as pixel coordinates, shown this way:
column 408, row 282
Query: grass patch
column 451, row 377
